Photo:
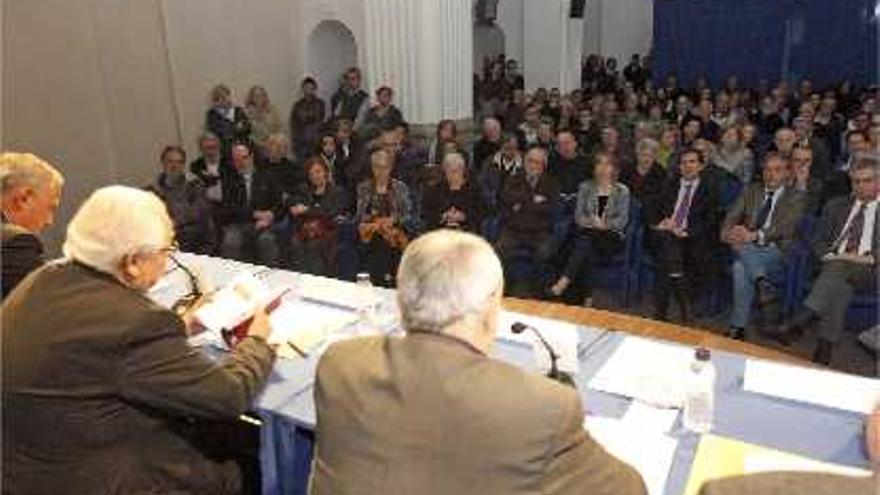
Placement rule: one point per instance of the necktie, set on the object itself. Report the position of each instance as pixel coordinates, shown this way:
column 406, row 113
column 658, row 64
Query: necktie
column 681, row 213
column 854, row 232
column 764, row 212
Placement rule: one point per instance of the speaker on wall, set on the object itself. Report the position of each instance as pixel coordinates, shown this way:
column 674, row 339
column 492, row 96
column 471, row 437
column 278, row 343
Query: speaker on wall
column 577, row 9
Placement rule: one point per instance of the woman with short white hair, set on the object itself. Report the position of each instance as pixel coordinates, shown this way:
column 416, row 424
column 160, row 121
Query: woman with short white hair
column 456, row 202
column 100, row 390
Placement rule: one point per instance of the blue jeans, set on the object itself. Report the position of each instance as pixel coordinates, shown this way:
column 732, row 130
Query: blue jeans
column 751, row 263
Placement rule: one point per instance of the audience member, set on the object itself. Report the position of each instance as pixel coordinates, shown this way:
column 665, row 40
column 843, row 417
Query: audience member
column 601, row 216
column 306, row 117
column 489, row 142
column 31, row 192
column 645, row 179
column 802, row 180
column 385, row 220
column 760, row 228
column 252, row 199
column 733, row 156
column 383, row 115
column 847, row 241
column 263, row 116
column 287, row 174
column 315, row 209
column 226, row 120
column 570, row 168
column 184, row 197
column 447, row 134
column 350, row 102
column 502, row 165
column 683, row 226
column 528, row 204
column 105, row 394
column 457, row 202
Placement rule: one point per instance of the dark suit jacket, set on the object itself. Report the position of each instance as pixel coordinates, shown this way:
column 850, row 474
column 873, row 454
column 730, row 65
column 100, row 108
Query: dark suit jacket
column 784, row 483
column 96, row 391
column 832, row 222
column 701, row 215
column 20, row 253
column 440, row 198
column 266, row 194
column 527, row 212
column 786, row 217
column 426, row 414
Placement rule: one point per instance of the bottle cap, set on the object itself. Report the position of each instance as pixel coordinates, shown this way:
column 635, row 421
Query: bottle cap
column 703, row 354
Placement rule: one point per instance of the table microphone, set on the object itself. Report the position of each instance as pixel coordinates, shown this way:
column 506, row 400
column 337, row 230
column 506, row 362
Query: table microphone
column 554, row 373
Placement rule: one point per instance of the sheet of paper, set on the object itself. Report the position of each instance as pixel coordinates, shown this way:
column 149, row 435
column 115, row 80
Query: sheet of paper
column 648, row 451
column 336, row 292
column 647, row 370
column 650, row 418
column 719, row 457
column 306, row 326
column 814, row 386
column 562, row 336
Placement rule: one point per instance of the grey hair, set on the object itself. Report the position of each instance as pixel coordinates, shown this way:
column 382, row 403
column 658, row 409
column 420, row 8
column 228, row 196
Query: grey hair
column 454, row 159
column 446, row 276
column 648, row 143
column 207, row 135
column 27, row 169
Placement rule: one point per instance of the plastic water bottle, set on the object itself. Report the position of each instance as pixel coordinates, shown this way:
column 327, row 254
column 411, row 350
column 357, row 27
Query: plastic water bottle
column 699, row 403
column 367, row 310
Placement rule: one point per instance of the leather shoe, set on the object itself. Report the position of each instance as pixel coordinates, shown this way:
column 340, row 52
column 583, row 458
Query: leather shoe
column 736, row 333
column 792, row 330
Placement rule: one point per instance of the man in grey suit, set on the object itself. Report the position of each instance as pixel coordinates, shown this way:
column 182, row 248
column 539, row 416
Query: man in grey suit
column 759, row 228
column 847, row 241
column 431, row 413
column 31, row 191
column 790, row 483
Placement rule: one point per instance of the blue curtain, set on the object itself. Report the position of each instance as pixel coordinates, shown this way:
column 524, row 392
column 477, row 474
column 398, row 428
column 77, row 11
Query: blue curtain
column 825, row 40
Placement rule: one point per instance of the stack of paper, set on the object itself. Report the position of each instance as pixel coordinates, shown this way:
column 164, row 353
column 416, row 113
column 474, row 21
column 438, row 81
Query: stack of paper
column 648, row 451
column 563, row 338
column 646, row 370
column 301, row 329
column 814, row 386
column 336, row 292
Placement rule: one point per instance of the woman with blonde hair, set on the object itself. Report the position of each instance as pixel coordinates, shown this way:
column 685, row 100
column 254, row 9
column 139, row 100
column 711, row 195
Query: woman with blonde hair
column 265, row 119
column 226, row 120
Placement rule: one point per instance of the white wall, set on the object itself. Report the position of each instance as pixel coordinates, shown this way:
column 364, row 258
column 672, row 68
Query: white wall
column 627, row 27
column 592, row 27
column 85, row 86
column 510, row 20
column 488, row 42
column 331, row 49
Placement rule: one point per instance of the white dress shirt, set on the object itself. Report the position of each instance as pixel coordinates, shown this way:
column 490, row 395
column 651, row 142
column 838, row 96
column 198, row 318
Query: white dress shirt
column 867, row 230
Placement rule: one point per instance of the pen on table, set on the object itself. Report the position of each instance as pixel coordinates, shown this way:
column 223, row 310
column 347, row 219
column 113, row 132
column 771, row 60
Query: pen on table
column 296, row 349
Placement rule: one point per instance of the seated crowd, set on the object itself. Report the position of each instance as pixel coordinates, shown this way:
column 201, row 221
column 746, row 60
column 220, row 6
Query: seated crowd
column 714, row 183
column 704, row 183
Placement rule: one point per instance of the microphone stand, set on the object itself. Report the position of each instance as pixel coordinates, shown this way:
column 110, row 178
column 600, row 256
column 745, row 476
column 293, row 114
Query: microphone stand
column 555, row 373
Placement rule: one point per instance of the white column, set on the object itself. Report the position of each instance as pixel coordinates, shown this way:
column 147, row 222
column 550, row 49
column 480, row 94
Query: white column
column 553, row 45
column 423, row 49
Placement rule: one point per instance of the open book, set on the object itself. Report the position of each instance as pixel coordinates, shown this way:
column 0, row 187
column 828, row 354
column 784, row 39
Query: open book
column 229, row 311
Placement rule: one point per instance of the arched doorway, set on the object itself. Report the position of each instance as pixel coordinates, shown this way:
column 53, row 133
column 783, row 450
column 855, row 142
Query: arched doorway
column 331, row 50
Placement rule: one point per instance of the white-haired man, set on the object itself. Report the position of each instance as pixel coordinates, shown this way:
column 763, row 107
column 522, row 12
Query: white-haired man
column 31, row 191
column 101, row 392
column 432, row 413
